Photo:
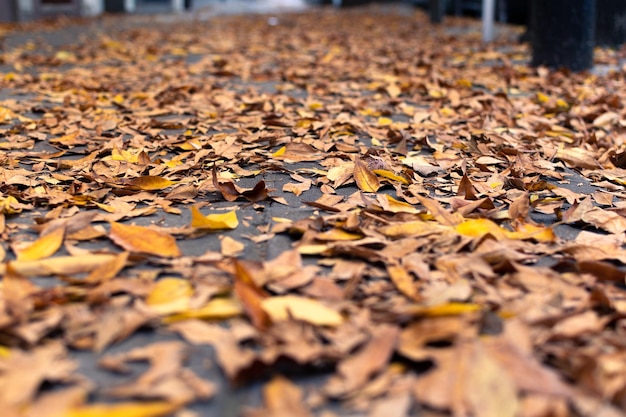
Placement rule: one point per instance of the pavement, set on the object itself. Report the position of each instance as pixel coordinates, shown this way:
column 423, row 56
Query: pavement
column 229, row 400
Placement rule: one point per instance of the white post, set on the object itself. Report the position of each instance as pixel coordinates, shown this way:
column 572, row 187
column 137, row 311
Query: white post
column 177, row 6
column 489, row 12
column 130, row 6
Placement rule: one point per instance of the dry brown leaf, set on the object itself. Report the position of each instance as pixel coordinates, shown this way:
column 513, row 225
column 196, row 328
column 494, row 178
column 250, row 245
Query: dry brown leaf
column 354, row 371
column 577, row 157
column 230, row 246
column 443, row 216
column 403, row 281
column 284, row 399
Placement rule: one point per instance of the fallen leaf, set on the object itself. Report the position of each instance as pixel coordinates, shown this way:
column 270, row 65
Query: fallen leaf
column 170, row 295
column 44, row 247
column 231, row 247
column 300, row 308
column 215, row 309
column 482, row 227
column 403, row 281
column 147, row 409
column 354, row 371
column 61, row 265
column 443, row 216
column 142, row 239
column 215, row 221
column 284, row 399
column 148, row 183
column 365, row 179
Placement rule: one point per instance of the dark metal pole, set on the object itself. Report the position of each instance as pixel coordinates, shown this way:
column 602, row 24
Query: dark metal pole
column 562, row 33
column 610, row 22
column 436, row 9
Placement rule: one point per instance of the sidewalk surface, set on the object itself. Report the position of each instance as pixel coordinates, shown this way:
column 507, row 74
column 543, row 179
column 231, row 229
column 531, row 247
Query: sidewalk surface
column 305, row 211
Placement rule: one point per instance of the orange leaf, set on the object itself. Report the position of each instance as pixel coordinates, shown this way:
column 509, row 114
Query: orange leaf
column 149, row 183
column 403, row 281
column 108, row 270
column 250, row 295
column 43, row 247
column 140, row 239
column 150, row 409
column 365, row 179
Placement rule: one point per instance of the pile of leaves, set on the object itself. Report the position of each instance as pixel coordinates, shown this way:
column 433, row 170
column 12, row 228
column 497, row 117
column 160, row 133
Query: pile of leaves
column 454, row 219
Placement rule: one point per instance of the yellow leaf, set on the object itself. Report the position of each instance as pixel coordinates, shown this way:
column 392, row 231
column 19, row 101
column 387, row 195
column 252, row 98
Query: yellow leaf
column 300, row 308
column 67, row 140
column 390, row 175
column 531, row 231
column 215, row 221
column 8, row 205
column 149, row 183
column 105, row 207
column 5, row 352
column 216, row 309
column 179, row 51
column 447, row 309
column 170, row 295
column 124, row 155
column 464, row 83
column 481, row 227
column 148, row 409
column 43, row 247
column 139, row 239
column 311, row 249
column 396, row 206
column 65, row 56
column 365, row 179
column 542, row 98
column 191, row 145
column 280, row 152
column 338, row 234
column 384, row 121
column 60, row 265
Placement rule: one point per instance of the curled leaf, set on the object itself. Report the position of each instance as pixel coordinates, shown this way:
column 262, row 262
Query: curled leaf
column 365, row 179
